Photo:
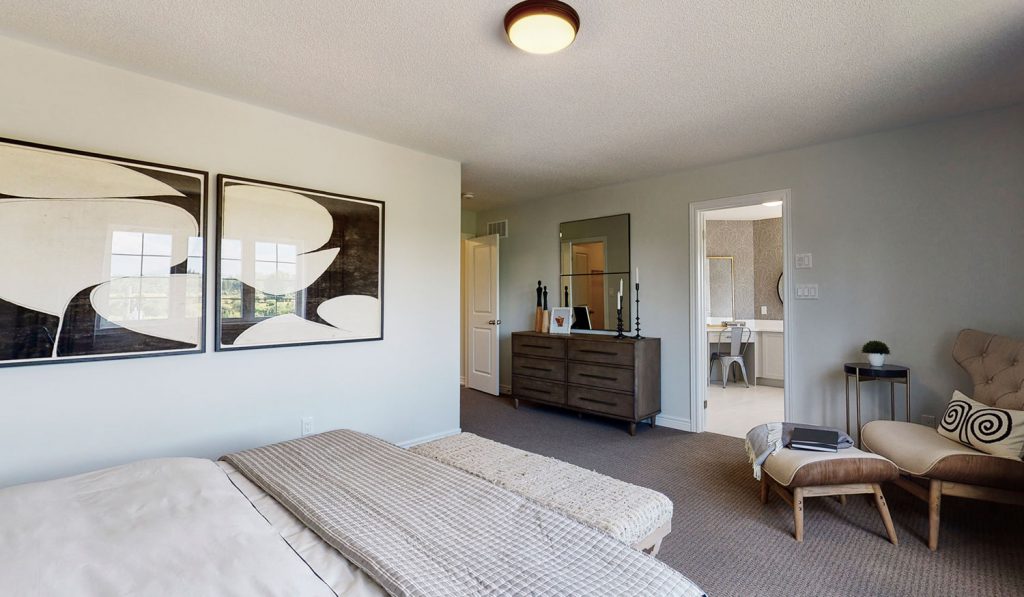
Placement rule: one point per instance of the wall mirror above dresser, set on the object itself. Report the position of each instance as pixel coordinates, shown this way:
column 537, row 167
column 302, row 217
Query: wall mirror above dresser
column 594, row 257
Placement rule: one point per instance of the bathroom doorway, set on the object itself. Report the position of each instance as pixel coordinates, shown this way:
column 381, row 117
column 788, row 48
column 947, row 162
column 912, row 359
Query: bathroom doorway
column 739, row 314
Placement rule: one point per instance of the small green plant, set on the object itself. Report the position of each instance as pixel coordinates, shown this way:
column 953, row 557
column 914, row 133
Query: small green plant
column 875, row 347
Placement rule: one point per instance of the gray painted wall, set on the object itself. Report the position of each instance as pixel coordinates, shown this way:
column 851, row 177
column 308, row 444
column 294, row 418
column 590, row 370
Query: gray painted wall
column 64, row 418
column 916, row 233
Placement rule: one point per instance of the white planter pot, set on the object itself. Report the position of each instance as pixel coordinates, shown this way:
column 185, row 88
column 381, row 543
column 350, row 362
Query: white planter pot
column 876, row 359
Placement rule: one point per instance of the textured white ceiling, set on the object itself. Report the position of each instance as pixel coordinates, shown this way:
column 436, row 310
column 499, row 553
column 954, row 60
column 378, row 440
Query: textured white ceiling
column 648, row 87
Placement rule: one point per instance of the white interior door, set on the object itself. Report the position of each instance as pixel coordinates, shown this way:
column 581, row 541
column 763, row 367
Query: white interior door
column 482, row 321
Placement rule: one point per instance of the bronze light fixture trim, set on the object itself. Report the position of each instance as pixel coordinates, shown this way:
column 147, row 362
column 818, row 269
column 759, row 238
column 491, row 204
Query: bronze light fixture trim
column 541, row 26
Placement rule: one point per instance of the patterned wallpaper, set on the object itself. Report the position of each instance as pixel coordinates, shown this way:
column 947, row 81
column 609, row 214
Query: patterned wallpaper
column 767, row 267
column 756, row 248
column 735, row 238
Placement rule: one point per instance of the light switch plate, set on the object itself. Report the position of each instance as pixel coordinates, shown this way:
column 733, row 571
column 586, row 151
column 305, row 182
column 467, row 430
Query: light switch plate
column 804, row 261
column 764, row 310
column 807, row 291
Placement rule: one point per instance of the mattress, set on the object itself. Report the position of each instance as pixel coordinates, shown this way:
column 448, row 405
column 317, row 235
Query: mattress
column 173, row 526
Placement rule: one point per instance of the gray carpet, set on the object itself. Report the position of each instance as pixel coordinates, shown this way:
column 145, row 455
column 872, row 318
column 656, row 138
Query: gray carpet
column 729, row 544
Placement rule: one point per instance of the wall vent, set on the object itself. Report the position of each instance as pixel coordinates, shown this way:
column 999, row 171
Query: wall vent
column 499, row 228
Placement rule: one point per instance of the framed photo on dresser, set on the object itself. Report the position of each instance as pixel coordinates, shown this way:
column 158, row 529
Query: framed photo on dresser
column 102, row 256
column 297, row 266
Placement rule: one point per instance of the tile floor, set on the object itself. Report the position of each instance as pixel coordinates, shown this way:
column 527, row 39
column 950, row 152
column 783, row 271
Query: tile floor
column 734, row 410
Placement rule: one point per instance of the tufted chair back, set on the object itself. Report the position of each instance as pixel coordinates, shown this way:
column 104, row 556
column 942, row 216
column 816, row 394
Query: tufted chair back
column 996, row 366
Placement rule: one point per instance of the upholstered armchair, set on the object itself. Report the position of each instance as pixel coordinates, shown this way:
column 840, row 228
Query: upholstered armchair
column 996, row 366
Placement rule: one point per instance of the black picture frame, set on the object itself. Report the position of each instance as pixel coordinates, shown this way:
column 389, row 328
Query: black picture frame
column 82, row 334
column 227, row 333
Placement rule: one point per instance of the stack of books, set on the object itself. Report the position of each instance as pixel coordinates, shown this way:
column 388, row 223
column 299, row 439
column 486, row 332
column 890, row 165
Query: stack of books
column 815, row 440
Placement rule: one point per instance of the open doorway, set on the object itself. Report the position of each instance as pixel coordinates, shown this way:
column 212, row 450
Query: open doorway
column 739, row 249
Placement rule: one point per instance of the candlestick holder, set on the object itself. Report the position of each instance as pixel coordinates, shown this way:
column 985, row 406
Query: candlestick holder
column 638, row 336
column 620, row 334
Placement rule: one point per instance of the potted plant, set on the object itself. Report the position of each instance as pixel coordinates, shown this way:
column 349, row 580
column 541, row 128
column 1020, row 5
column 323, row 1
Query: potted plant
column 876, row 351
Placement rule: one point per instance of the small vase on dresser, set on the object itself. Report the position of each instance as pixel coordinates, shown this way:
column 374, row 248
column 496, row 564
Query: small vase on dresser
column 619, row 378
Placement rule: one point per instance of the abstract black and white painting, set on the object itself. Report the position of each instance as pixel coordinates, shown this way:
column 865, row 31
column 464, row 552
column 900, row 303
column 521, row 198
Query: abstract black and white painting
column 102, row 257
column 297, row 266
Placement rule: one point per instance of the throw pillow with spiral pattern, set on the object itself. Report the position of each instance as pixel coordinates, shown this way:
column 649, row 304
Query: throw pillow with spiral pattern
column 995, row 431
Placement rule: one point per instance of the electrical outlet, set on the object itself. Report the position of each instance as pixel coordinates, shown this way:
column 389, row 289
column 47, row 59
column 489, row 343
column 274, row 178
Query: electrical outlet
column 307, row 426
column 928, row 420
column 764, row 309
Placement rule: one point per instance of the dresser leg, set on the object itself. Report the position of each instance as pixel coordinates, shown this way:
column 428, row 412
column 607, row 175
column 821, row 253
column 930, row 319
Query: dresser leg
column 515, row 403
column 632, row 428
column 652, row 422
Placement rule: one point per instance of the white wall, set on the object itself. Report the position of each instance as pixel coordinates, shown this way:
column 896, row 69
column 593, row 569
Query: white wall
column 915, row 232
column 64, row 418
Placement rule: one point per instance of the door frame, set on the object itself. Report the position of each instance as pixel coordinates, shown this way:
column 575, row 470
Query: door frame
column 698, row 324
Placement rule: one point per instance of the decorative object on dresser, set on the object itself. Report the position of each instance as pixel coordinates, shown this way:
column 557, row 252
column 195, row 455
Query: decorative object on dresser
column 561, row 320
column 638, row 336
column 546, row 326
column 596, row 374
column 297, row 266
column 538, row 316
column 102, row 256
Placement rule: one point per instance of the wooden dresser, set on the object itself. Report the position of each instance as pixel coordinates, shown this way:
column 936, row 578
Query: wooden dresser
column 588, row 373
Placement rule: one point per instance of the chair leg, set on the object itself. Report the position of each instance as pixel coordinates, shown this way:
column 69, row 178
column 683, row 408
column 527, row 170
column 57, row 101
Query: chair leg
column 743, row 370
column 883, row 509
column 764, row 488
column 934, row 506
column 798, row 513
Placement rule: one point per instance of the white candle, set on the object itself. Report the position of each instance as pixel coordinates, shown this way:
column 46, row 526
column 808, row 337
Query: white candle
column 620, row 295
column 620, row 286
column 638, row 275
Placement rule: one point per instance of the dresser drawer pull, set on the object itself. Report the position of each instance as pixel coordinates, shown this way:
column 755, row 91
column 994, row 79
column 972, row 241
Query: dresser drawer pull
column 537, row 390
column 532, row 368
column 536, row 346
column 605, row 402
column 604, row 377
column 611, row 354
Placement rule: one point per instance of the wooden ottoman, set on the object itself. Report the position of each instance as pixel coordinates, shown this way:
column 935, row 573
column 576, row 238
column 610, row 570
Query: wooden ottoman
column 799, row 474
column 635, row 515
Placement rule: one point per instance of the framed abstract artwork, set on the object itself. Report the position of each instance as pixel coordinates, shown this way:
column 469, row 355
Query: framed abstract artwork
column 297, row 266
column 102, row 256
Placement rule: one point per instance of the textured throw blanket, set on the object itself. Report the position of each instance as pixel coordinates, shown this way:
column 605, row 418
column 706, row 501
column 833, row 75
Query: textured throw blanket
column 765, row 440
column 420, row 527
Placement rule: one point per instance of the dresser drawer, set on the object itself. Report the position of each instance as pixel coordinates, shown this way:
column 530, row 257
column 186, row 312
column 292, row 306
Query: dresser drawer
column 611, row 378
column 536, row 389
column 604, row 352
column 545, row 368
column 539, row 346
column 612, row 403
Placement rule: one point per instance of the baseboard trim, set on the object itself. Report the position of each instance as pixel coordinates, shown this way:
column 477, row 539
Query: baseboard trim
column 429, row 438
column 674, row 422
column 462, row 382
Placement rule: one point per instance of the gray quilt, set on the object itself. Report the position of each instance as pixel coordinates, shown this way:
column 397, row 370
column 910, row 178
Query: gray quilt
column 419, row 527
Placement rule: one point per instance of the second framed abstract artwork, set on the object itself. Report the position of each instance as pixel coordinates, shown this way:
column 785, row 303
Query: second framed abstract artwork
column 297, row 266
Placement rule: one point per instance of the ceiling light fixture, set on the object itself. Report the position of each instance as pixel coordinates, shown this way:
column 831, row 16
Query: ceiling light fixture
column 772, row 203
column 541, row 26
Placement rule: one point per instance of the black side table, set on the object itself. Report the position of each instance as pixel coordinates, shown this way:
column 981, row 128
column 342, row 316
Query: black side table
column 862, row 372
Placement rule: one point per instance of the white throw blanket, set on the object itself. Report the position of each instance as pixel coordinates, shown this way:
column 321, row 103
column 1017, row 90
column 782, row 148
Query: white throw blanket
column 762, row 442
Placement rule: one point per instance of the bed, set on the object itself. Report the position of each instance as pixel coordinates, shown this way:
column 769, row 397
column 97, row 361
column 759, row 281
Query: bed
column 186, row 526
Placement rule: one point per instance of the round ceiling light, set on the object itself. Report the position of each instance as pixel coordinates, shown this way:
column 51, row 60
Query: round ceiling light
column 541, row 26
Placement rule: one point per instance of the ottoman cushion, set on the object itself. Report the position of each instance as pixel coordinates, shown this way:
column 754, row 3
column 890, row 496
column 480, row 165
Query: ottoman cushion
column 801, row 468
column 625, row 511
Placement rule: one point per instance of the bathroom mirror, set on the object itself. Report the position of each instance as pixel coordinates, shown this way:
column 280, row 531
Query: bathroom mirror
column 721, row 287
column 594, row 256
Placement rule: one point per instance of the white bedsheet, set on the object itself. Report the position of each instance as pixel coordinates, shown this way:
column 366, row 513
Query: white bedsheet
column 166, row 527
column 344, row 577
